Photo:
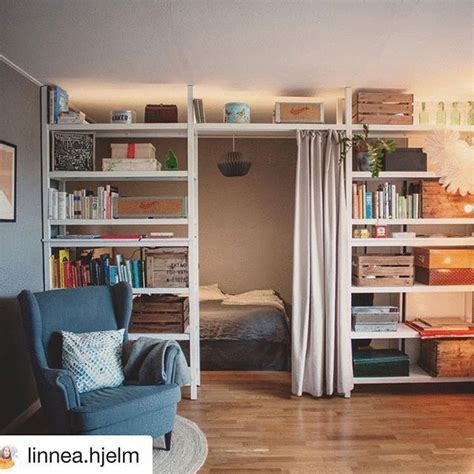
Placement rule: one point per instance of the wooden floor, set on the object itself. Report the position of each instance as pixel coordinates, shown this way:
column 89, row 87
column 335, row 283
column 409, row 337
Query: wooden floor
column 252, row 424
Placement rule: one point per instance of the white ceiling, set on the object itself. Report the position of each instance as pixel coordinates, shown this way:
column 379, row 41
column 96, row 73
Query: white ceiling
column 126, row 53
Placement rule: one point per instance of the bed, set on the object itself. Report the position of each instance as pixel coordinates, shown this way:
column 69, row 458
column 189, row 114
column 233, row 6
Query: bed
column 243, row 337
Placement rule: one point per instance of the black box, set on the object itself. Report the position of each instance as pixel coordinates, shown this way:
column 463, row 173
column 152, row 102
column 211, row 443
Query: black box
column 380, row 363
column 405, row 159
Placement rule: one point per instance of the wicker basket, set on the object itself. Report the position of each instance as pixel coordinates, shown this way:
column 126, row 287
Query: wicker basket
column 448, row 357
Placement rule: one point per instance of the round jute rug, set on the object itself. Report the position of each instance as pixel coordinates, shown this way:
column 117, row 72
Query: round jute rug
column 188, row 450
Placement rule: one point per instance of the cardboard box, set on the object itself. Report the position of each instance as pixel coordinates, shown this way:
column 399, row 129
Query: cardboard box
column 444, row 276
column 299, row 112
column 133, row 150
column 125, row 164
column 145, row 207
column 444, row 257
column 167, row 267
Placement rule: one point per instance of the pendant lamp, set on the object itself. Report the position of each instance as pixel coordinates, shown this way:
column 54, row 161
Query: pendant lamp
column 234, row 164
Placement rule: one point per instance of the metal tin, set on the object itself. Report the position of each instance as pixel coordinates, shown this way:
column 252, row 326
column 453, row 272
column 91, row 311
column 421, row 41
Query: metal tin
column 123, row 116
column 236, row 112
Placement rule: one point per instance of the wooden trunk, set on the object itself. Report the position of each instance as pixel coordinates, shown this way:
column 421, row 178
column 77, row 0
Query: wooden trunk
column 382, row 108
column 382, row 270
column 166, row 267
column 160, row 313
column 438, row 203
column 444, row 276
column 444, row 257
column 448, row 357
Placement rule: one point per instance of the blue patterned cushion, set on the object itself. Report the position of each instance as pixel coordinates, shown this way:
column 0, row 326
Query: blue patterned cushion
column 94, row 358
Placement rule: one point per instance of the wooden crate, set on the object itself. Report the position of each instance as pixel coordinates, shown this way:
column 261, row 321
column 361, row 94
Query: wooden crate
column 159, row 313
column 447, row 257
column 382, row 108
column 448, row 357
column 438, row 203
column 382, row 270
column 166, row 267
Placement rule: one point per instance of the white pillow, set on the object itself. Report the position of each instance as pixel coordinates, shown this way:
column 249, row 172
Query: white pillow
column 94, row 358
column 211, row 293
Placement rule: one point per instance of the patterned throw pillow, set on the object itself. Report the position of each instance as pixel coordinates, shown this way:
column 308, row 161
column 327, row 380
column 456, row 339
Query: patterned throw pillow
column 94, row 358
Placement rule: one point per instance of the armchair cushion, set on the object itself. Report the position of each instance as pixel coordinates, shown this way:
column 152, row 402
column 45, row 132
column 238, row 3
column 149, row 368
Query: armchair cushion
column 109, row 406
column 94, row 358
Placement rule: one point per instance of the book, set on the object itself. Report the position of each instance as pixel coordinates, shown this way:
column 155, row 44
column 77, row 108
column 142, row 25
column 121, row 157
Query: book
column 58, row 103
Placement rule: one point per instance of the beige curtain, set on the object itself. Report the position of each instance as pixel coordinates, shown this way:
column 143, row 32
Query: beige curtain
column 321, row 332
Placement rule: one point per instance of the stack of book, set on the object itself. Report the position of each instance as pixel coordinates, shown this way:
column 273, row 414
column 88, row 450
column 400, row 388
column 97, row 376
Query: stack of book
column 72, row 117
column 83, row 204
column 432, row 328
column 386, row 202
column 375, row 318
column 85, row 270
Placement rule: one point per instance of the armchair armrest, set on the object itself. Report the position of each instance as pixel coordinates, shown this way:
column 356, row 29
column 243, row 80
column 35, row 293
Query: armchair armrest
column 171, row 358
column 62, row 386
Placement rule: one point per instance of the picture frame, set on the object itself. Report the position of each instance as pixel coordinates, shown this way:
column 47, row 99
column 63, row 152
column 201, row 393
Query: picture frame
column 8, row 181
column 73, row 151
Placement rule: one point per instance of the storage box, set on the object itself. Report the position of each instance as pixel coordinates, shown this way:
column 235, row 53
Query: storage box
column 448, row 357
column 380, row 363
column 382, row 270
column 382, row 108
column 133, row 150
column 405, row 159
column 161, row 113
column 166, row 267
column 125, row 164
column 447, row 257
column 375, row 314
column 159, row 313
column 444, row 276
column 299, row 112
column 438, row 203
column 144, row 207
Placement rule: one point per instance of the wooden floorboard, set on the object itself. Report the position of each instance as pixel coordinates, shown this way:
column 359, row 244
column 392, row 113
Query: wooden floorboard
column 253, row 424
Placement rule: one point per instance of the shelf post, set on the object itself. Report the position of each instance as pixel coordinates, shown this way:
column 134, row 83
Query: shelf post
column 193, row 236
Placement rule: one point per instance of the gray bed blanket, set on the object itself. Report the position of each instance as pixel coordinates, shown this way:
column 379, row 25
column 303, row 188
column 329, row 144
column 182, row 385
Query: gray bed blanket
column 242, row 323
column 144, row 362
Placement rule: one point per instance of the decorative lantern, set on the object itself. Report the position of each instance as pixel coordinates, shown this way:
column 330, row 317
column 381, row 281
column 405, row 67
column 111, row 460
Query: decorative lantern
column 233, row 164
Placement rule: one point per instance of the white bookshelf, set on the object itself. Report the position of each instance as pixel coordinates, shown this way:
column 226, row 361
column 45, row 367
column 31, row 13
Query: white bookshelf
column 416, row 375
column 107, row 222
column 404, row 334
column 190, row 176
column 118, row 175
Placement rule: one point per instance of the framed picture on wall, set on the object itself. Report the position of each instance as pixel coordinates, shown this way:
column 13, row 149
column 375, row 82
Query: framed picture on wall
column 7, row 182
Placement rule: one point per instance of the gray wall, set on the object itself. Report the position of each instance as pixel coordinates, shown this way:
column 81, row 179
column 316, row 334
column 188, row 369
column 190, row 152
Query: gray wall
column 20, row 242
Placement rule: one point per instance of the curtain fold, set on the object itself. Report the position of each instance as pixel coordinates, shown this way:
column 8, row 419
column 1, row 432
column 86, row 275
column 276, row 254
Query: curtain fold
column 321, row 331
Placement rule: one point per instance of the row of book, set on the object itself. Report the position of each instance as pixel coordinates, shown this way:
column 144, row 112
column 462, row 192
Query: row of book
column 83, row 204
column 386, row 202
column 87, row 270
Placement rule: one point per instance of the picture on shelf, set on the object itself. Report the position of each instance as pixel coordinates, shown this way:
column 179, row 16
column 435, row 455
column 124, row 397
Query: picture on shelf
column 73, row 151
column 7, row 182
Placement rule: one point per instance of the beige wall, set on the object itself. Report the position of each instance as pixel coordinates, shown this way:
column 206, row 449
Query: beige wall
column 246, row 223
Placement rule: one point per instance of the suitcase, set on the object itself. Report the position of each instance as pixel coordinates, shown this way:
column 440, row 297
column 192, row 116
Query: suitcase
column 380, row 363
column 161, row 113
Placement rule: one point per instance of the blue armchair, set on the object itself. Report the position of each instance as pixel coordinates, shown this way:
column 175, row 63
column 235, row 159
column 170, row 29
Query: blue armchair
column 128, row 409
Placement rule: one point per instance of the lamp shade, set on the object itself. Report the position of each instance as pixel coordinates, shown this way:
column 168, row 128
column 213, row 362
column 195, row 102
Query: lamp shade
column 233, row 164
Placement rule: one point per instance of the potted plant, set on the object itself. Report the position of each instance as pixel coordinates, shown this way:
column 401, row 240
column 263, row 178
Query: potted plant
column 374, row 150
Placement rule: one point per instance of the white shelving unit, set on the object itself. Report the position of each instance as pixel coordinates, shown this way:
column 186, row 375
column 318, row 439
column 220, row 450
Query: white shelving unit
column 192, row 132
column 190, row 176
column 405, row 334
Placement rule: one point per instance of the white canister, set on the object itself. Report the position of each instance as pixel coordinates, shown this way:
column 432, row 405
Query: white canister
column 123, row 116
